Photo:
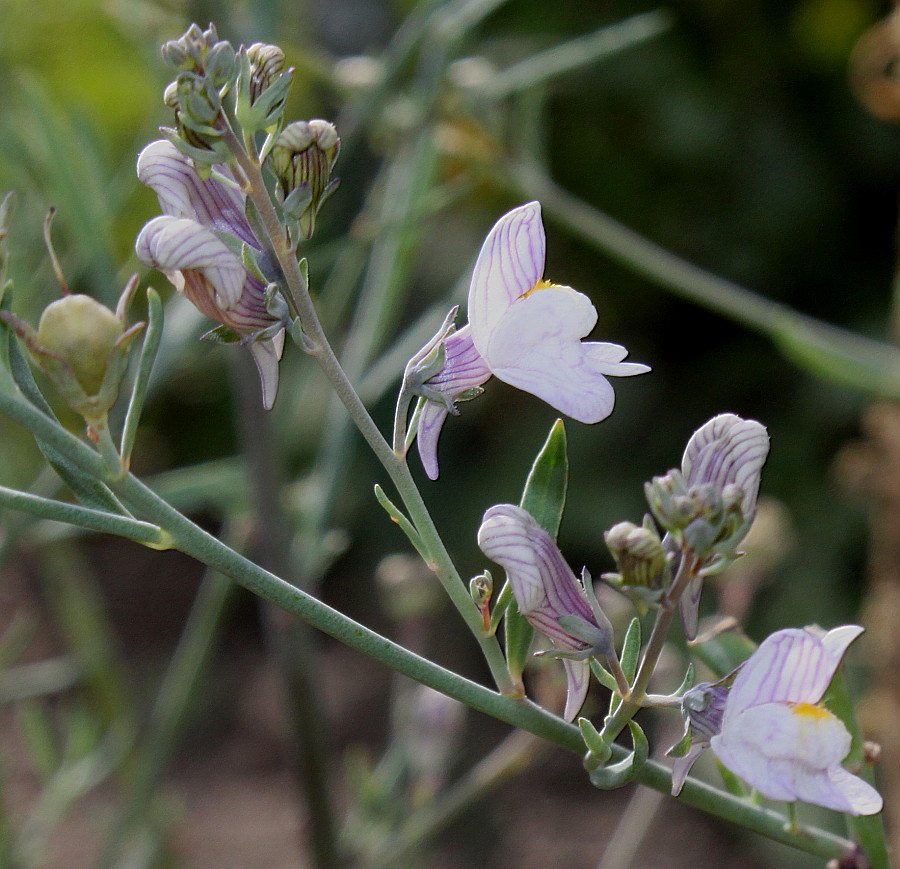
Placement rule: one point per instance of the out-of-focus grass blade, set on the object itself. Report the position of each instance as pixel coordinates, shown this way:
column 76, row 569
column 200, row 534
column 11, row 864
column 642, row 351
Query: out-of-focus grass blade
column 576, row 53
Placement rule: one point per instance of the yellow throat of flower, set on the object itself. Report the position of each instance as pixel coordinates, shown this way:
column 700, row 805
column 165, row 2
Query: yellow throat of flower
column 811, row 710
column 540, row 285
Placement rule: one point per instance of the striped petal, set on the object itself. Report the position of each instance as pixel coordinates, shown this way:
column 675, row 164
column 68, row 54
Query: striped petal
column 543, row 584
column 510, row 263
column 173, row 244
column 182, row 193
column 728, row 450
column 790, row 666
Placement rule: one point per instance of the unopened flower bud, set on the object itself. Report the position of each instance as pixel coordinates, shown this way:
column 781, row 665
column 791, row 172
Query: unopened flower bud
column 266, row 63
column 220, row 64
column 189, row 52
column 481, row 587
column 302, row 159
column 669, row 500
column 199, row 103
column 639, row 554
column 170, row 95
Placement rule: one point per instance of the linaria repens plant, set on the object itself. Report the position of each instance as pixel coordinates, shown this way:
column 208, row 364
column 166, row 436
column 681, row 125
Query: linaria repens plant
column 241, row 186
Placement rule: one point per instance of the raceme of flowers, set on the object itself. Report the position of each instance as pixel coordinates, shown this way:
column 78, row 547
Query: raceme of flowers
column 186, row 244
column 527, row 332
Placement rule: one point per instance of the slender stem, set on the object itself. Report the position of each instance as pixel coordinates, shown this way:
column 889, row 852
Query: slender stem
column 520, row 713
column 83, row 517
column 631, row 703
column 299, row 300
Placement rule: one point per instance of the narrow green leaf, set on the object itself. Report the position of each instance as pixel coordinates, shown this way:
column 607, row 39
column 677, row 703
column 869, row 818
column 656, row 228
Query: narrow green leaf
column 142, row 379
column 406, row 526
column 631, row 652
column 545, row 491
column 603, row 676
column 618, row 774
column 544, row 498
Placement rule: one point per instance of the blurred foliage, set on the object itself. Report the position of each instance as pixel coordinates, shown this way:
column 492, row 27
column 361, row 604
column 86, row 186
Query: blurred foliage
column 731, row 139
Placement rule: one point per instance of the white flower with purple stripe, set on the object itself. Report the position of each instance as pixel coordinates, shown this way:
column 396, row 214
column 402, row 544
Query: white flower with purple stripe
column 726, row 451
column 547, row 593
column 777, row 735
column 185, row 244
column 527, row 332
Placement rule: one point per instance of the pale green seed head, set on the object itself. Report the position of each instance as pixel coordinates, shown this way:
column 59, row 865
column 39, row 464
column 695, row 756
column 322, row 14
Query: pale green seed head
column 82, row 332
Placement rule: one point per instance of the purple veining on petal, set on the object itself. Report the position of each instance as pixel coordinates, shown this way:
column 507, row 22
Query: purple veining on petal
column 175, row 244
column 543, row 583
column 431, row 420
column 773, row 736
column 726, row 450
column 463, row 368
column 510, row 263
column 182, row 193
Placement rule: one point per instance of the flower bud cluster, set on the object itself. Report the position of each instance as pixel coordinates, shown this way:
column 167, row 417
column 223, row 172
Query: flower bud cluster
column 706, row 517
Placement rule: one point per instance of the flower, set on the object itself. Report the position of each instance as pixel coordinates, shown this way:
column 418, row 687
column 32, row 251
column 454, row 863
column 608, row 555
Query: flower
column 547, row 593
column 777, row 735
column 527, row 332
column 711, row 502
column 187, row 244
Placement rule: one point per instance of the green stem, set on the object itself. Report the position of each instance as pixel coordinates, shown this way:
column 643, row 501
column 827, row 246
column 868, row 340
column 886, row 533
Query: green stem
column 299, row 301
column 519, row 713
column 83, row 517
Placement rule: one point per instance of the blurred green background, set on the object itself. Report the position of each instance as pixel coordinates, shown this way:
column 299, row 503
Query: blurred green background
column 731, row 138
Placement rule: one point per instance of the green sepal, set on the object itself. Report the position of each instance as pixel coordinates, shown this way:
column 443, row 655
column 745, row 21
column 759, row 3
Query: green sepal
column 544, row 498
column 617, row 774
column 686, row 682
column 517, row 637
column 631, row 650
column 203, row 158
column 221, row 335
column 603, row 676
column 249, row 262
column 598, row 750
